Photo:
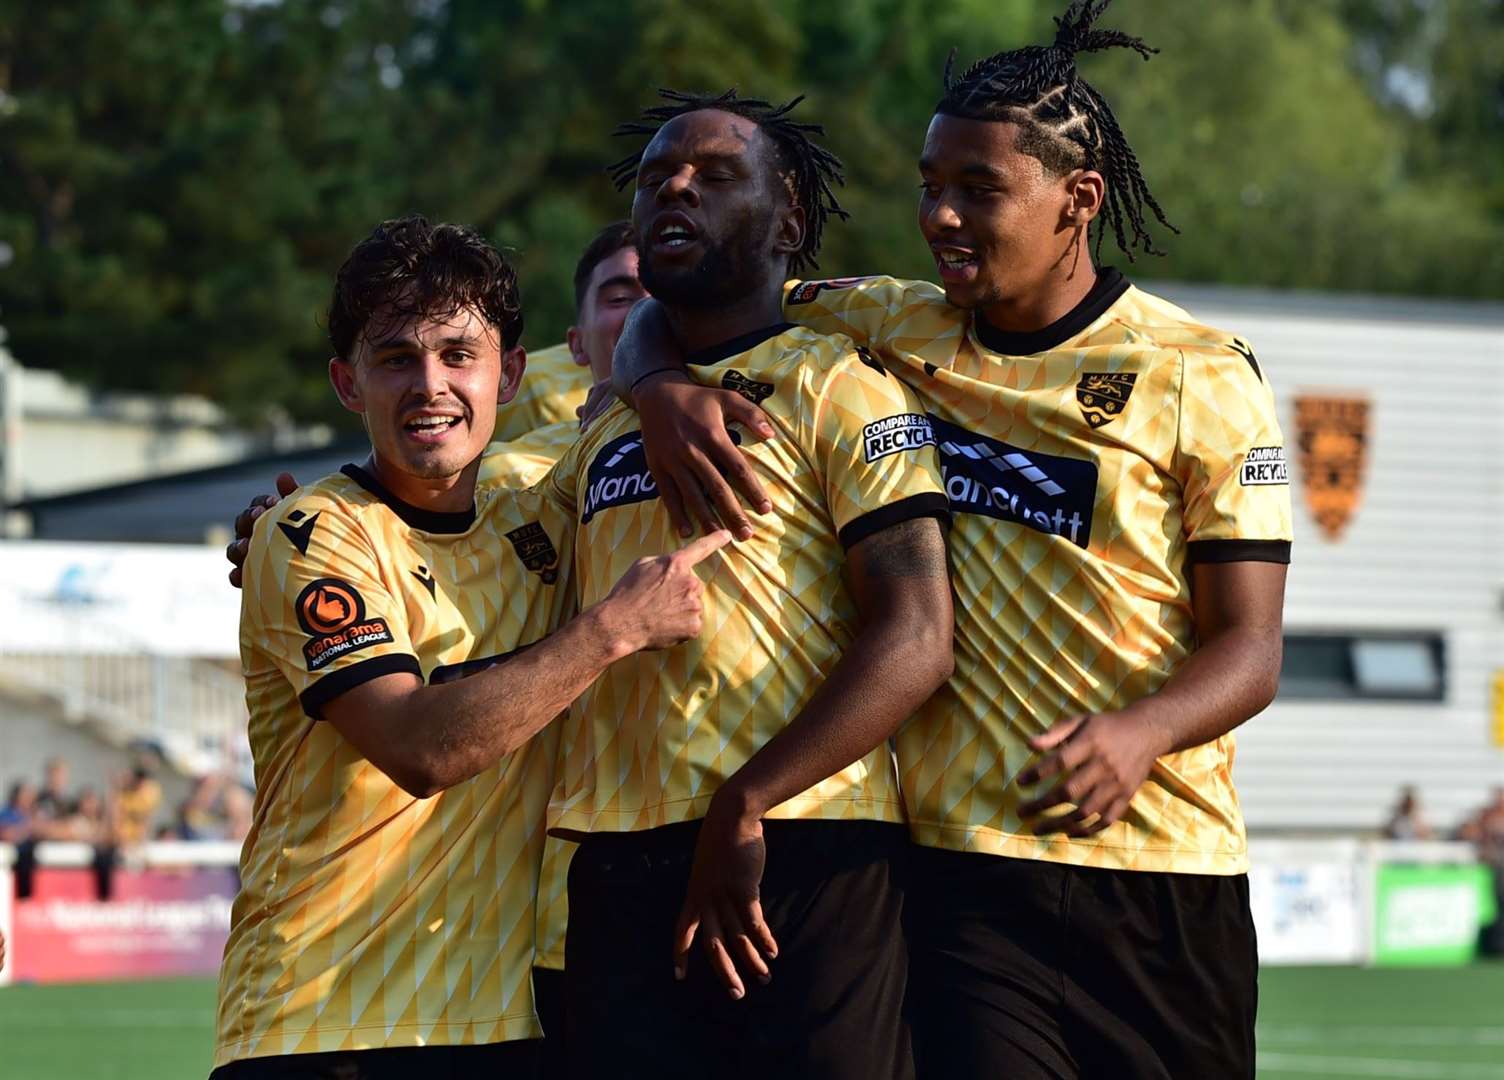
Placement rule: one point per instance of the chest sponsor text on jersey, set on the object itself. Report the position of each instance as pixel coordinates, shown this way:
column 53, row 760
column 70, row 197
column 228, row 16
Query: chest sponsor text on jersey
column 618, row 476
column 1044, row 492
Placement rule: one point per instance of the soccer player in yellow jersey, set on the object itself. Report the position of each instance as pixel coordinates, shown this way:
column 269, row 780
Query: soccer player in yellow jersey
column 405, row 638
column 1117, row 476
column 735, row 800
column 606, row 285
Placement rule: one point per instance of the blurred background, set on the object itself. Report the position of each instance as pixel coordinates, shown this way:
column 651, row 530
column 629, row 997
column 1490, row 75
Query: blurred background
column 179, row 181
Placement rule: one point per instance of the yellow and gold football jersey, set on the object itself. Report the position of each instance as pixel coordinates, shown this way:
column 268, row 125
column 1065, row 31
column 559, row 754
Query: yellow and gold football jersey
column 553, row 386
column 1088, row 466
column 517, row 464
column 523, row 461
column 655, row 737
column 369, row 918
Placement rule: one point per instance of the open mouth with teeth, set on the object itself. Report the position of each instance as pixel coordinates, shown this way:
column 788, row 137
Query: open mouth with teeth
column 674, row 234
column 956, row 264
column 430, row 428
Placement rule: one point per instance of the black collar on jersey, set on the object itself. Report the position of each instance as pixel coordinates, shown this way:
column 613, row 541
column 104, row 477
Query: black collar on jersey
column 737, row 345
column 1111, row 284
column 431, row 521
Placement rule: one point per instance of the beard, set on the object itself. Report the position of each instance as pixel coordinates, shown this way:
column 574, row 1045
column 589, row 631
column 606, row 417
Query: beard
column 727, row 272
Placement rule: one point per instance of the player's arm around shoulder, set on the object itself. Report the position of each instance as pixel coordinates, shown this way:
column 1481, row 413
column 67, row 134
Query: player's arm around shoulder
column 427, row 738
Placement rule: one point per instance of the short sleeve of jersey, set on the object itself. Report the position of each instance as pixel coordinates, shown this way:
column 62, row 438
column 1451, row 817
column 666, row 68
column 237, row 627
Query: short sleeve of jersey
column 318, row 606
column 858, row 307
column 869, row 434
column 1230, row 459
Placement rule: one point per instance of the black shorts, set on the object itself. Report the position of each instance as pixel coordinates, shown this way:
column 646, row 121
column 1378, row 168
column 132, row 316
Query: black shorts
column 834, row 1007
column 513, row 1060
column 1032, row 970
column 548, row 999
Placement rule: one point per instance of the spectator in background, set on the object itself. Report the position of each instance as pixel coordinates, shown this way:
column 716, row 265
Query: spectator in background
column 1406, row 822
column 237, row 806
column 53, row 801
column 18, row 816
column 197, row 819
column 135, row 804
column 85, row 822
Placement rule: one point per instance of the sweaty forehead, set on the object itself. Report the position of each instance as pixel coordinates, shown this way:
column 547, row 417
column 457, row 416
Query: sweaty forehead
column 705, row 133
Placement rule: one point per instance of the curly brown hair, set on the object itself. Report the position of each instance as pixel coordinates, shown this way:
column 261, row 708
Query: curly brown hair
column 408, row 267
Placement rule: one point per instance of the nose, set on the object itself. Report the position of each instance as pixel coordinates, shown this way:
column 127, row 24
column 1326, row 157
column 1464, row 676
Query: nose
column 679, row 186
column 430, row 378
column 942, row 215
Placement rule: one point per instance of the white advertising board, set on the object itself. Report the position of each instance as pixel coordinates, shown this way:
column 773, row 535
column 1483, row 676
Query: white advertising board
column 168, row 599
column 1310, row 903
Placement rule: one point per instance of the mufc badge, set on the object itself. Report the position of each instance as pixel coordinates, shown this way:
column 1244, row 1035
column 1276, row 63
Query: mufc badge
column 1102, row 395
column 536, row 551
column 1331, row 433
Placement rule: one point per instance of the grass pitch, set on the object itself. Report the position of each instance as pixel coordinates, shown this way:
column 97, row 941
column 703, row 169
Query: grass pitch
column 1339, row 1023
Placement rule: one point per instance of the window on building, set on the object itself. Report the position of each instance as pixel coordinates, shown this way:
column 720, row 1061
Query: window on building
column 1410, row 667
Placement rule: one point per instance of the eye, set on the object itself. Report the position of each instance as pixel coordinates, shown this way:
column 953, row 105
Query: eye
column 932, row 190
column 974, row 192
column 458, row 356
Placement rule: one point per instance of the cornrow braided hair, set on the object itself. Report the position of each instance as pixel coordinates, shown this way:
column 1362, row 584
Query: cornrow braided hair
column 810, row 171
column 1065, row 122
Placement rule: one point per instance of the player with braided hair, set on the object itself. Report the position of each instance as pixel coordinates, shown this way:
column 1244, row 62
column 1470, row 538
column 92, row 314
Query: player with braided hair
column 1121, row 530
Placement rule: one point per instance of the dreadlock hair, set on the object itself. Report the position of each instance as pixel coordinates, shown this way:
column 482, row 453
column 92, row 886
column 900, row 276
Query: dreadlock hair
column 1064, row 121
column 409, row 268
column 808, row 170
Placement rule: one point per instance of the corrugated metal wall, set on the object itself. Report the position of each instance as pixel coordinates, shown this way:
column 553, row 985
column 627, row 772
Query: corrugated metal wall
column 1423, row 551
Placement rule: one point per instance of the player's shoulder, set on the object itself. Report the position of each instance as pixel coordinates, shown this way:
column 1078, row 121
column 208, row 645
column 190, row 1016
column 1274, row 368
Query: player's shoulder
column 519, row 462
column 336, row 497
column 1154, row 320
column 879, row 290
column 557, row 359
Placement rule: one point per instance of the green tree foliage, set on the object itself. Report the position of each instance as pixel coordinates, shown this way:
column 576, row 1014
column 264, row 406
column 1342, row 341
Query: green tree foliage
column 178, row 180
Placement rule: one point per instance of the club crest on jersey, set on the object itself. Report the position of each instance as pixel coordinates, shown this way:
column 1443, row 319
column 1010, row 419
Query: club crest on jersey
column 1049, row 494
column 754, row 391
column 895, row 434
column 618, row 476
column 1103, row 395
column 333, row 614
column 806, row 291
column 1331, row 435
column 536, row 550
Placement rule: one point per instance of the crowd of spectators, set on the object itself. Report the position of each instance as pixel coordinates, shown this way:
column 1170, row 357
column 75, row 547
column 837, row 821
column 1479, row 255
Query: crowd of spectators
column 129, row 813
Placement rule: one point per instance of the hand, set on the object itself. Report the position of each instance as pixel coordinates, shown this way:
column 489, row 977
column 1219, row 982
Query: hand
column 691, row 455
column 1101, row 760
column 722, row 906
column 656, row 604
column 596, row 402
column 245, row 521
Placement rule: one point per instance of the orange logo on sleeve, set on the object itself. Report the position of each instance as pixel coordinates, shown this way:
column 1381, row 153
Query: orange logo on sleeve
column 333, row 614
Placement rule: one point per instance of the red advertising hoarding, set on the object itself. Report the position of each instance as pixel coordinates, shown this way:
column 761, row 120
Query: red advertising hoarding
column 157, row 922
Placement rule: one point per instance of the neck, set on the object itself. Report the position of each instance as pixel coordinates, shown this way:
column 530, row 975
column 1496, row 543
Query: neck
column 700, row 328
column 1066, row 285
column 452, row 494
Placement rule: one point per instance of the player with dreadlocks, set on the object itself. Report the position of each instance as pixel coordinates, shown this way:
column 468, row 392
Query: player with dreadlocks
column 735, row 801
column 1118, row 486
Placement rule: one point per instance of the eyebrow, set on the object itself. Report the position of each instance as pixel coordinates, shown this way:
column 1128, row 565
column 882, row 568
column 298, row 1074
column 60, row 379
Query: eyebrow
column 391, row 344
column 973, row 169
column 620, row 281
column 711, row 157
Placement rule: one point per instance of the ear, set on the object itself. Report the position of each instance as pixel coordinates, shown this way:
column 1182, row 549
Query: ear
column 346, row 385
column 1085, row 191
column 576, row 342
column 788, row 237
column 513, row 364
